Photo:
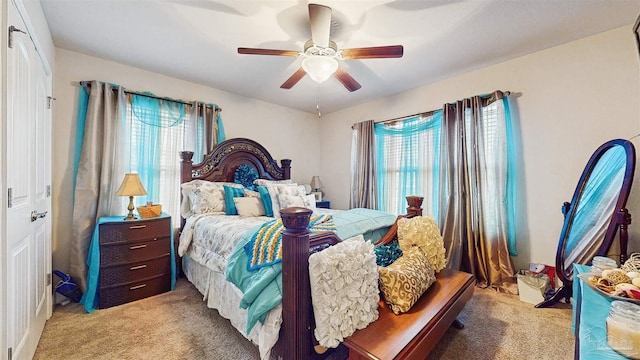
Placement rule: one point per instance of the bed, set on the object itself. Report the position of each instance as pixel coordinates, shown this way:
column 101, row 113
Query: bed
column 207, row 258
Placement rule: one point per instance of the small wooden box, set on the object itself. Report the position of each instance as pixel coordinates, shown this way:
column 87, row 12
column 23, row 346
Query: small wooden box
column 150, row 211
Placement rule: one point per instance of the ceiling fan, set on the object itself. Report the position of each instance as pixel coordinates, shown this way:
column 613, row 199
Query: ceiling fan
column 321, row 55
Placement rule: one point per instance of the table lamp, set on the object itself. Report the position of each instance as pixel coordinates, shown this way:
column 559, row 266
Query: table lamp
column 316, row 184
column 131, row 186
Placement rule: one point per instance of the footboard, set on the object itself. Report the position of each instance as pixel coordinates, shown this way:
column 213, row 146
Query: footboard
column 296, row 339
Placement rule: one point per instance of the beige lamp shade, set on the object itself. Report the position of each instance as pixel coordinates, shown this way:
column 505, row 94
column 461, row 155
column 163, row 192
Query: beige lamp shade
column 131, row 186
column 316, row 184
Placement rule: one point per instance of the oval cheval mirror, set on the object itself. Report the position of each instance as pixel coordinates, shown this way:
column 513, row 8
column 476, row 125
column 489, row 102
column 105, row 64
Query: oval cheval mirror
column 595, row 214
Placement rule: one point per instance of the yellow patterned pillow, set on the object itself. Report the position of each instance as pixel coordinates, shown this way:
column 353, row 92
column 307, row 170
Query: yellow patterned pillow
column 403, row 282
column 423, row 233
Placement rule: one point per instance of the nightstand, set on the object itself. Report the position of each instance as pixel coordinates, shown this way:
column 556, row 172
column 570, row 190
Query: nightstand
column 326, row 204
column 129, row 260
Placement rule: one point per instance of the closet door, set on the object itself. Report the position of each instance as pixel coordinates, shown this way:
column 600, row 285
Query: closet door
column 28, row 222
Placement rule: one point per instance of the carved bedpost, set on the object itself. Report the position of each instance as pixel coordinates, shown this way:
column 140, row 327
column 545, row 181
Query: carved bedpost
column 286, row 166
column 415, row 206
column 296, row 333
column 186, row 164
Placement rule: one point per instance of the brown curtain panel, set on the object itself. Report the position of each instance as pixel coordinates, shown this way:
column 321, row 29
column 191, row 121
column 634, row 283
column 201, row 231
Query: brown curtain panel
column 363, row 167
column 474, row 223
column 100, row 171
column 205, row 117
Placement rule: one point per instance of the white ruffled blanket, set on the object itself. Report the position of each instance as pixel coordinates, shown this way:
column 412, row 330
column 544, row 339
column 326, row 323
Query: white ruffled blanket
column 344, row 289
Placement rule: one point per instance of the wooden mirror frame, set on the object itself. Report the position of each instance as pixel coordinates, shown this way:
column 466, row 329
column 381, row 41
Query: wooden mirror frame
column 620, row 218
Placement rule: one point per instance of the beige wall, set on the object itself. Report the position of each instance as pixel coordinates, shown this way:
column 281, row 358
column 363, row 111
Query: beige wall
column 569, row 100
column 284, row 132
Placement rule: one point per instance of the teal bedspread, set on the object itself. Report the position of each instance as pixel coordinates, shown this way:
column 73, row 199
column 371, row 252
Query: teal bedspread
column 262, row 288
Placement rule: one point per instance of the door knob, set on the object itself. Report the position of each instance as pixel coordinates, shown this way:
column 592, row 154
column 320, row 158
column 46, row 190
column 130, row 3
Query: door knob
column 37, row 215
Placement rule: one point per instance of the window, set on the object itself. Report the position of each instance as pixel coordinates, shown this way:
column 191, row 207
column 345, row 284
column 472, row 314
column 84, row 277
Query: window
column 408, row 154
column 490, row 140
column 158, row 132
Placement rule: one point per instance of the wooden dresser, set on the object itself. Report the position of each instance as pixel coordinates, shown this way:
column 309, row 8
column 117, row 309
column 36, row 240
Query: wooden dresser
column 135, row 260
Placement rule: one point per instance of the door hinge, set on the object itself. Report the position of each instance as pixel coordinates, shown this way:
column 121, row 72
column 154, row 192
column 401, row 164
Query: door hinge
column 11, row 30
column 49, row 279
column 48, row 190
column 9, row 197
column 10, row 354
column 49, row 99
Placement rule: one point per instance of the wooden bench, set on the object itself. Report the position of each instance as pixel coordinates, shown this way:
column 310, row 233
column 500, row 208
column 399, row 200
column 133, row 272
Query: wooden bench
column 413, row 335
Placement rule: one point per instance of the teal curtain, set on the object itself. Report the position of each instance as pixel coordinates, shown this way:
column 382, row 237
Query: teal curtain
column 150, row 116
column 221, row 135
column 512, row 177
column 407, row 163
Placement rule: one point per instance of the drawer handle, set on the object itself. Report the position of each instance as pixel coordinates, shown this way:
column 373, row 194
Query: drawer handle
column 137, row 287
column 137, row 247
column 137, row 227
column 138, row 267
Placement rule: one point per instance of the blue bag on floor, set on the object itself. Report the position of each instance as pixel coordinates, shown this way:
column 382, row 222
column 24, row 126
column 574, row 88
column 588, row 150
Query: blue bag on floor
column 67, row 287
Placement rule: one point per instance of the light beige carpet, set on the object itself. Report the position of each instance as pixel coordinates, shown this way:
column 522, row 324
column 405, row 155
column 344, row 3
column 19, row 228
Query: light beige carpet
column 178, row 325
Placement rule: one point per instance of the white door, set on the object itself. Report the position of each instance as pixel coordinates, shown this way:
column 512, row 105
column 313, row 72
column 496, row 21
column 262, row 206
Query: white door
column 28, row 225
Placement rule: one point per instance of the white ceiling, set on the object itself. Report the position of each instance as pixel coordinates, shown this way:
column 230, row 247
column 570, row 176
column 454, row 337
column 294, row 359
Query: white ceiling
column 197, row 40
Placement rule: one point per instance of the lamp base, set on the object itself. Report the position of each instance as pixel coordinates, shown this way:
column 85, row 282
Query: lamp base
column 131, row 217
column 130, row 208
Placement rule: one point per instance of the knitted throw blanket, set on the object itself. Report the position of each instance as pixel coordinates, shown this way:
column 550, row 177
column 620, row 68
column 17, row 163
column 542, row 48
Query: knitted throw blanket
column 265, row 247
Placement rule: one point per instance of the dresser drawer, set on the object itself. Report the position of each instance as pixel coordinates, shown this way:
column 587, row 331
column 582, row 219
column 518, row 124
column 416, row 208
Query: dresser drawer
column 134, row 230
column 118, row 253
column 127, row 273
column 117, row 295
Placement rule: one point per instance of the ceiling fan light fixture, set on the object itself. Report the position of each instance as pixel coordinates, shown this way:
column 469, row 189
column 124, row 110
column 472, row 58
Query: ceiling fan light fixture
column 319, row 67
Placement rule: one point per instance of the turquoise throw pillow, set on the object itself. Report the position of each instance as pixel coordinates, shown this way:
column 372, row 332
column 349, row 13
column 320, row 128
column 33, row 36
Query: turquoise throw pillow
column 266, row 200
column 387, row 254
column 231, row 192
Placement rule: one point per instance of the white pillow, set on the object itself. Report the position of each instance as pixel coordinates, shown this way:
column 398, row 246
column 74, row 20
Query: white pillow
column 200, row 196
column 306, row 201
column 249, row 206
column 344, row 289
column 251, row 193
column 286, row 189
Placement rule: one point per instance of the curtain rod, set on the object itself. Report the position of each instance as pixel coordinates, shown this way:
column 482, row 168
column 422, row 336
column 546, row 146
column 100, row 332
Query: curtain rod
column 406, row 117
column 427, row 113
column 88, row 84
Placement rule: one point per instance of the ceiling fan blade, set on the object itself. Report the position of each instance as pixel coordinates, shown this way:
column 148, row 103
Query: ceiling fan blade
column 392, row 51
column 349, row 82
column 320, row 22
column 293, row 79
column 254, row 51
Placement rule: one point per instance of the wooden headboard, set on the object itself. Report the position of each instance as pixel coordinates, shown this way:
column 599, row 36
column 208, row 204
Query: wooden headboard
column 222, row 163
